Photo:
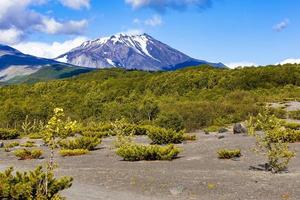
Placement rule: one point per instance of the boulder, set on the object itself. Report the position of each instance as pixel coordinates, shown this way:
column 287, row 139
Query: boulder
column 239, row 128
column 1, row 144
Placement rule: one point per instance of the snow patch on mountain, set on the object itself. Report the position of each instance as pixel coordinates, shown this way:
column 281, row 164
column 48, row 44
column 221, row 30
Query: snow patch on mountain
column 17, row 70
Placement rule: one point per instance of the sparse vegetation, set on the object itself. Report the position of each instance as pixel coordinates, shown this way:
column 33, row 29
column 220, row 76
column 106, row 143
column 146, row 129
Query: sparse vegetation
column 73, row 152
column 272, row 141
column 229, row 153
column 25, row 154
column 11, row 145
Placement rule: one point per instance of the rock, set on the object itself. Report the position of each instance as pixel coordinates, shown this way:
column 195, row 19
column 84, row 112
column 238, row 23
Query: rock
column 1, row 144
column 221, row 137
column 223, row 130
column 177, row 190
column 239, row 128
column 206, row 132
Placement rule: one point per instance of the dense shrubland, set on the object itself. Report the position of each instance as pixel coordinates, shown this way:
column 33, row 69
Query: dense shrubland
column 190, row 98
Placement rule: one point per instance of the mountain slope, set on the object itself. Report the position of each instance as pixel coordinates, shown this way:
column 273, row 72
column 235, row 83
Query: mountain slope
column 16, row 67
column 141, row 52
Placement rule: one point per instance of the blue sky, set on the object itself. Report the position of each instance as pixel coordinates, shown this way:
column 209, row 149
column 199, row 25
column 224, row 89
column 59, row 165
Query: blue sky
column 230, row 31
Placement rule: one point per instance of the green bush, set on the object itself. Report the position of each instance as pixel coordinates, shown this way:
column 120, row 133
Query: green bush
column 294, row 114
column 229, row 153
column 11, row 145
column 279, row 112
column 73, row 152
column 164, row 136
column 34, row 136
column 28, row 144
column 273, row 140
column 136, row 152
column 292, row 125
column 88, row 143
column 31, row 185
column 189, row 137
column 24, row 154
column 170, row 121
column 8, row 134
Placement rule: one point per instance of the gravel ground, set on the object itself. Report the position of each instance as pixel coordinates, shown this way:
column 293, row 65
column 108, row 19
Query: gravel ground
column 197, row 174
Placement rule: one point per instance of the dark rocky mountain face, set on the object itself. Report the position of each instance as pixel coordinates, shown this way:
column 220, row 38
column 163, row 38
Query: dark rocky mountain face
column 141, row 52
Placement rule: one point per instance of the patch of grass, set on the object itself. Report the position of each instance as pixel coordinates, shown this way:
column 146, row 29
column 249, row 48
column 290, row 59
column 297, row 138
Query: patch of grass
column 8, row 134
column 88, row 143
column 292, row 125
column 11, row 145
column 136, row 152
column 295, row 114
column 24, row 154
column 28, row 144
column 189, row 137
column 34, row 136
column 229, row 153
column 164, row 136
column 212, row 129
column 73, row 152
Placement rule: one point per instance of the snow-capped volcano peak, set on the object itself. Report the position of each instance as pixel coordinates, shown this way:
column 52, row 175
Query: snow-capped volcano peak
column 127, row 51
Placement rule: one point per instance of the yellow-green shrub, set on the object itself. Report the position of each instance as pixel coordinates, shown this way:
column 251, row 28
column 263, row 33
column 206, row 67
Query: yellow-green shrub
column 136, row 152
column 294, row 114
column 11, row 145
column 8, row 134
column 28, row 144
column 31, row 185
column 73, row 152
column 164, row 136
column 229, row 153
column 88, row 143
column 292, row 125
column 24, row 154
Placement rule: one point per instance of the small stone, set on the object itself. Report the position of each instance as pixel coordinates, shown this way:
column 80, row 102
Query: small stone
column 223, row 130
column 239, row 128
column 177, row 190
column 1, row 144
column 221, row 137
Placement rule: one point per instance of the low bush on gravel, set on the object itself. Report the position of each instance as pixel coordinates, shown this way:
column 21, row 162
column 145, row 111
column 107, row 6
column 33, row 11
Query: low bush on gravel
column 273, row 141
column 8, row 134
column 88, row 143
column 25, row 154
column 34, row 136
column 31, row 185
column 73, row 152
column 229, row 153
column 28, row 144
column 136, row 152
column 294, row 114
column 170, row 120
column 164, row 136
column 11, row 145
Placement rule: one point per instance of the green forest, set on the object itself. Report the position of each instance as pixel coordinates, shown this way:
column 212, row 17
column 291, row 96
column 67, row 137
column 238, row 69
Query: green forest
column 194, row 97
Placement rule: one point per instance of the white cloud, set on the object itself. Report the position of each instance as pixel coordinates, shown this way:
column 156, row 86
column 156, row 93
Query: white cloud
column 10, row 36
column 162, row 5
column 290, row 61
column 233, row 65
column 76, row 4
column 155, row 20
column 17, row 16
column 281, row 25
column 51, row 26
column 49, row 50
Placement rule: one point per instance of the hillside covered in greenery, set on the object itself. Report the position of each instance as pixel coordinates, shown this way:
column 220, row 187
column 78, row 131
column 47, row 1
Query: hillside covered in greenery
column 197, row 96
